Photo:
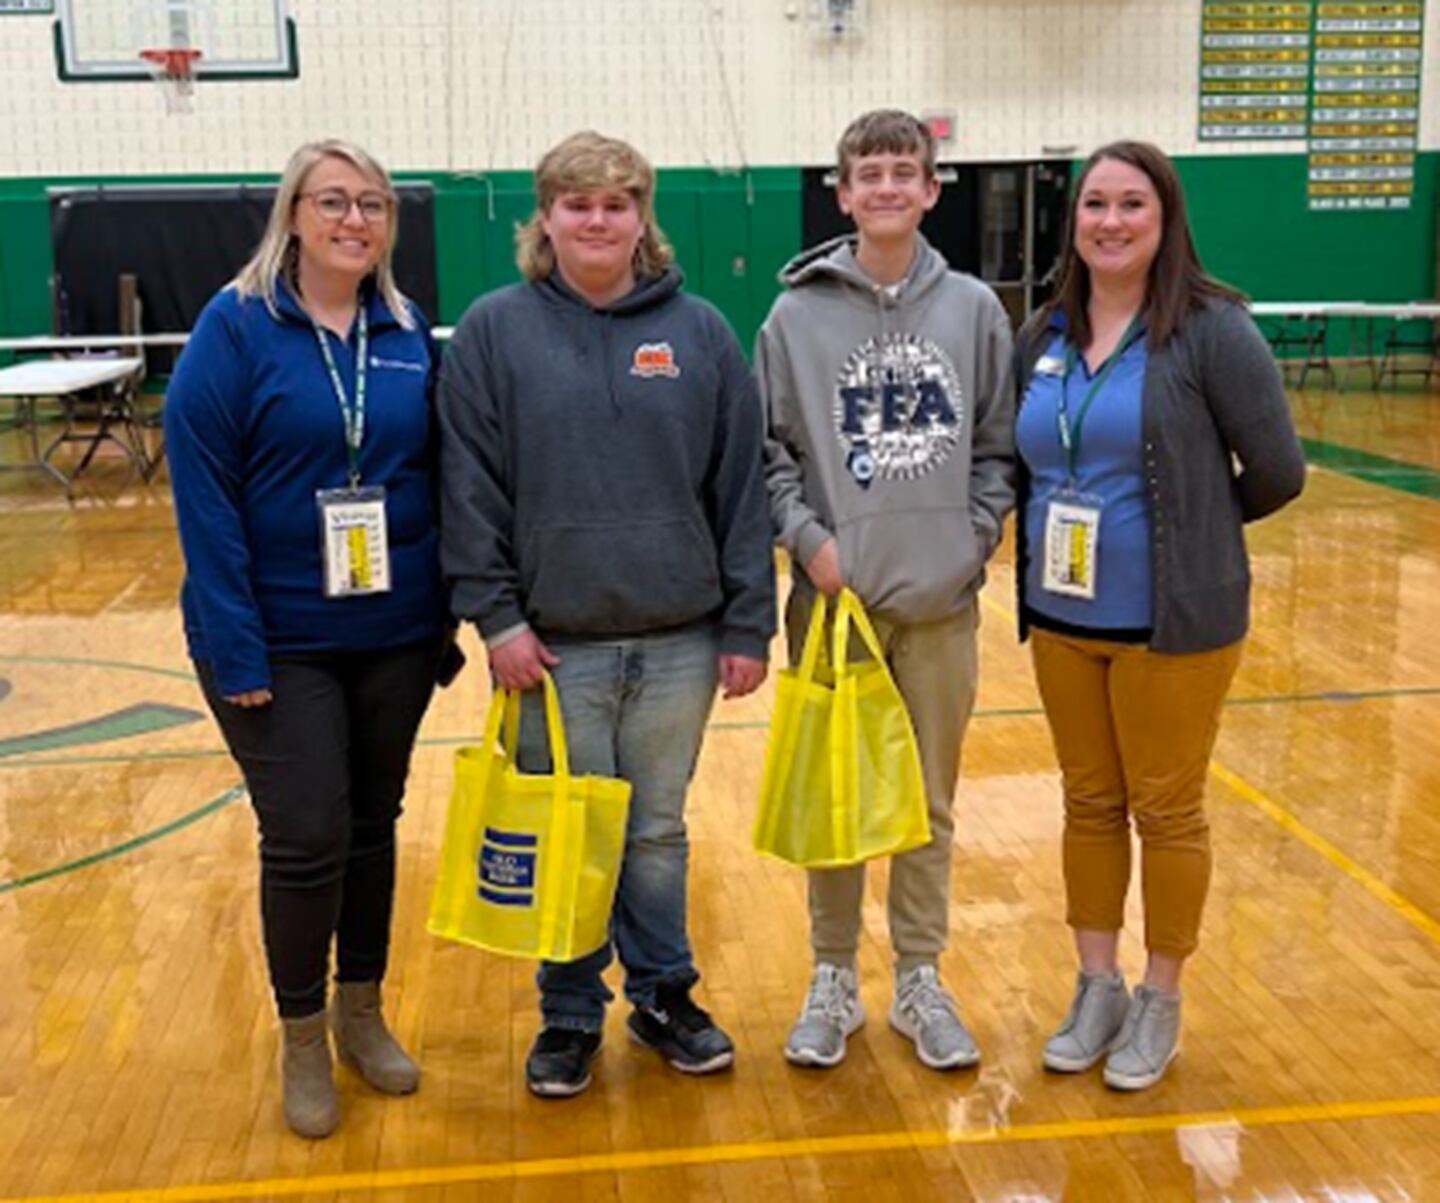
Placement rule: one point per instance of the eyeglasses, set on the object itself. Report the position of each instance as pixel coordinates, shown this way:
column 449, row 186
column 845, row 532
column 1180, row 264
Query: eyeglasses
column 333, row 204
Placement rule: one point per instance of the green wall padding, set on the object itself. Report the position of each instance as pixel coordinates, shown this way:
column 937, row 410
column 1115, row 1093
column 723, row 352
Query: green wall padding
column 732, row 231
column 1254, row 230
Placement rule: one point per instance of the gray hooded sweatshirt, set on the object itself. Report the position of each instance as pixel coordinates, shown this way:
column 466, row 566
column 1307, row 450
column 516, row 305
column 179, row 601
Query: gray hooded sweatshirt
column 890, row 427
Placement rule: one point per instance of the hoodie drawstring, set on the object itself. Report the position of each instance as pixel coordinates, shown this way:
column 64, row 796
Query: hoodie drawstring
column 607, row 366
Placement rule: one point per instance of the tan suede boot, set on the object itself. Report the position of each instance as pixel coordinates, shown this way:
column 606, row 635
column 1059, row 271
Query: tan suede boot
column 312, row 1108
column 365, row 1043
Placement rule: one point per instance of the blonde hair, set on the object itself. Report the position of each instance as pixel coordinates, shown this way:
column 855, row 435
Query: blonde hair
column 589, row 162
column 276, row 254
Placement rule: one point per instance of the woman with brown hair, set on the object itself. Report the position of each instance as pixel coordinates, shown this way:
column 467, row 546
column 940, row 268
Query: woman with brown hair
column 605, row 519
column 1152, row 426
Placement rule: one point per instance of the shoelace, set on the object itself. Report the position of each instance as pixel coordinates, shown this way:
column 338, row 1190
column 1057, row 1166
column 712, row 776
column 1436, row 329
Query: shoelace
column 926, row 999
column 826, row 998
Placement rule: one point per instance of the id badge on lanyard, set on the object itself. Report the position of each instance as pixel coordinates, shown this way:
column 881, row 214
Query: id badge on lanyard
column 1072, row 518
column 354, row 539
column 1072, row 544
column 355, row 543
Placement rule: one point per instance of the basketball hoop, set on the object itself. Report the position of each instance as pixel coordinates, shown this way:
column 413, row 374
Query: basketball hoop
column 173, row 68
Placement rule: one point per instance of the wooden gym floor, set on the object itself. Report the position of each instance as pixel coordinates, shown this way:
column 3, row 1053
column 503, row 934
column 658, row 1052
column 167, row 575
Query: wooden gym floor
column 138, row 1050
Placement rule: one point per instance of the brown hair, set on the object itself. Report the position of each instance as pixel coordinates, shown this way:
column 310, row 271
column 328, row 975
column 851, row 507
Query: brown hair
column 589, row 162
column 885, row 131
column 1177, row 283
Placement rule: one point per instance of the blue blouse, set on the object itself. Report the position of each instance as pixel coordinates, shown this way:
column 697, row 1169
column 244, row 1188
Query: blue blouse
column 1109, row 466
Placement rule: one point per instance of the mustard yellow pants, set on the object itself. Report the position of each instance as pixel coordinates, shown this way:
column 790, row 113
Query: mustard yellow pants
column 1133, row 733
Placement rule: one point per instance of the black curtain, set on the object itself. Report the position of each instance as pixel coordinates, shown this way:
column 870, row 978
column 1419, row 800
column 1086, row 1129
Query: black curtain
column 952, row 227
column 184, row 243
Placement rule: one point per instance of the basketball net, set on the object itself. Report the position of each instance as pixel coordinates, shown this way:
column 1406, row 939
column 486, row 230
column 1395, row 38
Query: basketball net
column 173, row 68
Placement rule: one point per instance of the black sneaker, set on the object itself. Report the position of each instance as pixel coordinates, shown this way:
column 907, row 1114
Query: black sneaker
column 559, row 1062
column 682, row 1033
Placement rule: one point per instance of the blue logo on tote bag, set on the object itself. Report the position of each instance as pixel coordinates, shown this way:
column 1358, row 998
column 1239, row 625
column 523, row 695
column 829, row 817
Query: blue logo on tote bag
column 507, row 867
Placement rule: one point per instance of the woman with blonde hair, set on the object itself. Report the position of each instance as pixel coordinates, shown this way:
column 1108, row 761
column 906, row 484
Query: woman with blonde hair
column 605, row 519
column 300, row 441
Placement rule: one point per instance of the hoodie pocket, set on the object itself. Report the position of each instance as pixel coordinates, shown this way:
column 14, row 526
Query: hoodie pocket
column 626, row 577
column 913, row 565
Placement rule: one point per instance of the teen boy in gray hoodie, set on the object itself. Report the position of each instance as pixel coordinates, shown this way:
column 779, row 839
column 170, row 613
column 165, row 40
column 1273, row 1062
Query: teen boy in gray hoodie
column 889, row 464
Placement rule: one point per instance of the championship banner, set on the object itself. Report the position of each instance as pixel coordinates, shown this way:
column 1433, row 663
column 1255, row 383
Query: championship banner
column 1365, row 104
column 1254, row 69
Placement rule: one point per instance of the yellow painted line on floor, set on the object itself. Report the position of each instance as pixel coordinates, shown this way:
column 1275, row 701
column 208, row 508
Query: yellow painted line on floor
column 1317, row 843
column 996, row 608
column 1357, row 872
column 730, row 1154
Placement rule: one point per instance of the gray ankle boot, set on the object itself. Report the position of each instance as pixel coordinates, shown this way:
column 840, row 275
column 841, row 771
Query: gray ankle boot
column 1147, row 1043
column 312, row 1108
column 1096, row 1016
column 365, row 1043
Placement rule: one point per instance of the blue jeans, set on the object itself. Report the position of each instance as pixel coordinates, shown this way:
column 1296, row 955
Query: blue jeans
column 634, row 708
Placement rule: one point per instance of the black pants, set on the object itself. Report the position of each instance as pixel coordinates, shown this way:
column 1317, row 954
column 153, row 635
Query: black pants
column 325, row 764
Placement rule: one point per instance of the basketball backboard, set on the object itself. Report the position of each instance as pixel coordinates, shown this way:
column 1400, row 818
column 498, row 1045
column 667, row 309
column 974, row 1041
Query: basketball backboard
column 236, row 39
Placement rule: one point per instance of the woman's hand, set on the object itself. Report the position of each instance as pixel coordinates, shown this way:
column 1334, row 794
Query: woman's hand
column 251, row 699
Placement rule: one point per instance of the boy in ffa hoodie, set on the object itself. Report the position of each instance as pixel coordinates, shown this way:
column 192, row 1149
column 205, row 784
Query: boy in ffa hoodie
column 889, row 465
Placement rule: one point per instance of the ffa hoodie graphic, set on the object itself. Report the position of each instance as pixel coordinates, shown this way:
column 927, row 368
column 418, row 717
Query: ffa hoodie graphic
column 890, row 427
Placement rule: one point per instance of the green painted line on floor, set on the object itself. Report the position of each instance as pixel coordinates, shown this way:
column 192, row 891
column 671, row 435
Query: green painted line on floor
column 1406, row 477
column 140, row 719
column 444, row 741
column 238, row 791
column 41, row 762
column 89, row 662
column 149, row 837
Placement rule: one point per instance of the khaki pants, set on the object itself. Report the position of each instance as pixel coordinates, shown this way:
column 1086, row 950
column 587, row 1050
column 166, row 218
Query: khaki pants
column 935, row 668
column 1133, row 732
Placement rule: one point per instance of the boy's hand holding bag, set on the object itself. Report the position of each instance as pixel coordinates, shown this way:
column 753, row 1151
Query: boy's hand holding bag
column 842, row 781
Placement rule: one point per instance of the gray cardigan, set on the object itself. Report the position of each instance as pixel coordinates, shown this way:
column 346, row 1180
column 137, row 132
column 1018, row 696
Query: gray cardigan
column 1220, row 450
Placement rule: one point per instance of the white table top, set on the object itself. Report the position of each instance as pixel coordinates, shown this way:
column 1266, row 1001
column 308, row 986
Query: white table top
column 98, row 342
column 41, row 343
column 56, row 377
column 1299, row 308
column 1397, row 311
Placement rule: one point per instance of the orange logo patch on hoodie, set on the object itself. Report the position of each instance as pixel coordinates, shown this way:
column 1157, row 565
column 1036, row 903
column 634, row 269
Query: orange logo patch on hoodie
column 654, row 359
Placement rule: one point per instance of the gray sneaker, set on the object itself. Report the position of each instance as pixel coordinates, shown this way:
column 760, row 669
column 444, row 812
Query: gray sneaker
column 1096, row 1015
column 832, row 1014
column 1147, row 1043
column 925, row 1013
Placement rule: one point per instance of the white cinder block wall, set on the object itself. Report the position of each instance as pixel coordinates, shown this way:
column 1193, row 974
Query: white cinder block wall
column 477, row 84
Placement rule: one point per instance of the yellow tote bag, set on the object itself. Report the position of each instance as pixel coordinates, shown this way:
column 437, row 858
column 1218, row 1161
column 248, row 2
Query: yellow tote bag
column 842, row 780
column 530, row 861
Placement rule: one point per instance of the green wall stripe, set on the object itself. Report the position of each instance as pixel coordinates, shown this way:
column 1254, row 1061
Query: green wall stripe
column 734, row 230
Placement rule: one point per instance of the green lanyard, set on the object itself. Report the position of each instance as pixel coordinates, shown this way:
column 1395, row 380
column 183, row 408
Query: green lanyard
column 354, row 415
column 1070, row 434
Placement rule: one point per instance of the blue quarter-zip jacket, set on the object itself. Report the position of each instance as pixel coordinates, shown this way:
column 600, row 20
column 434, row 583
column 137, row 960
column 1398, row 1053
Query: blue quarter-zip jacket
column 253, row 428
